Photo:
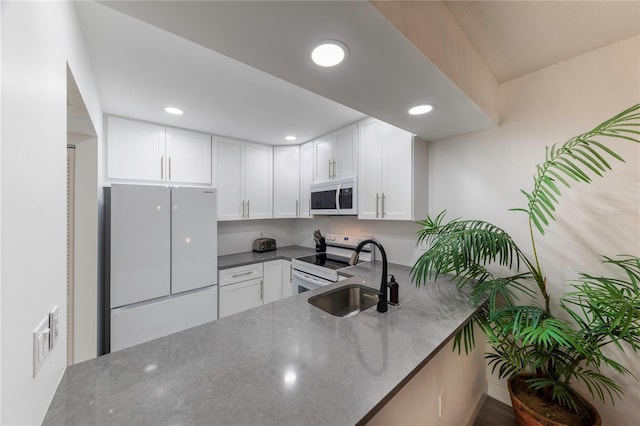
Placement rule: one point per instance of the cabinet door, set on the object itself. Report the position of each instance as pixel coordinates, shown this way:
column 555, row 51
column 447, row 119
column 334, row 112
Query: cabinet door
column 272, row 281
column 370, row 174
column 188, row 157
column 230, row 180
column 286, row 181
column 140, row 246
column 239, row 297
column 135, row 150
column 345, row 153
column 194, row 239
column 258, row 172
column 286, row 279
column 397, row 171
column 306, row 178
column 323, row 159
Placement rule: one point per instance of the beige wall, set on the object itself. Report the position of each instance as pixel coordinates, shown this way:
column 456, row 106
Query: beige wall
column 480, row 175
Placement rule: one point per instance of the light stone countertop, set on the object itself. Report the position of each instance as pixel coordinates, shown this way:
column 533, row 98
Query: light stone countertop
column 250, row 257
column 283, row 363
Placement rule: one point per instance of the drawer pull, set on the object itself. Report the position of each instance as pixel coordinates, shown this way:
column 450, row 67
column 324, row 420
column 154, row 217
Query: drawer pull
column 240, row 274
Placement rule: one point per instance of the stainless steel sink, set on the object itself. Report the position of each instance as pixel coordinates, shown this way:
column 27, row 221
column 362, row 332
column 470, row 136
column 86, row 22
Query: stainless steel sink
column 346, row 301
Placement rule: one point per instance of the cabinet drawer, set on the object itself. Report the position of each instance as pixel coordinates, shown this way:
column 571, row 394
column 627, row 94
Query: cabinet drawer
column 239, row 274
column 240, row 297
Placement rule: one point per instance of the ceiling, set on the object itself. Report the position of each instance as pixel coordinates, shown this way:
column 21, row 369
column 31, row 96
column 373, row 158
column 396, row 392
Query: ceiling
column 518, row 37
column 240, row 68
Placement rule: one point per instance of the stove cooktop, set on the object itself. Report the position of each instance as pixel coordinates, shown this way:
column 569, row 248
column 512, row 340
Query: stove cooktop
column 327, row 260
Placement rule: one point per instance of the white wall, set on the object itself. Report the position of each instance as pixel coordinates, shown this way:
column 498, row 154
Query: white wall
column 480, row 175
column 38, row 39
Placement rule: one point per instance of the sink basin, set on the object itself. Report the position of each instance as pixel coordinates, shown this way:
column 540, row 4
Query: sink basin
column 346, row 301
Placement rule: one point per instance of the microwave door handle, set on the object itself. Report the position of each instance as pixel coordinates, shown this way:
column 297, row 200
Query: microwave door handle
column 338, row 206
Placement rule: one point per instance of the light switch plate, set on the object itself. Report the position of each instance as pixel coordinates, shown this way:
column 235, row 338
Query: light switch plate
column 40, row 344
column 53, row 325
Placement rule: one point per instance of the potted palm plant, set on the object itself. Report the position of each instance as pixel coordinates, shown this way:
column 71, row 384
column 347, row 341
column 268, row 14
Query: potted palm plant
column 543, row 353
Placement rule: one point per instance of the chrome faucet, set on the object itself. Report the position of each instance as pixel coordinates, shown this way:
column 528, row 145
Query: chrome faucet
column 382, row 295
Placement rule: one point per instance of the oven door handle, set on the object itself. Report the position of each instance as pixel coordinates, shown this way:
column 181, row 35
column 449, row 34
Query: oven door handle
column 310, row 278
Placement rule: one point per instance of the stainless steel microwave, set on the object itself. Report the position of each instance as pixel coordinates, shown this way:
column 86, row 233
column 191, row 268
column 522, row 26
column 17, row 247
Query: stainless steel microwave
column 336, row 197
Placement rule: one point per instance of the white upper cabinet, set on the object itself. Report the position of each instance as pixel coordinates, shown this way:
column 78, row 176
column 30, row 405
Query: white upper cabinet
column 306, row 179
column 335, row 155
column 188, row 156
column 135, row 150
column 258, row 181
column 245, row 176
column 393, row 173
column 230, row 180
column 139, row 151
column 286, row 181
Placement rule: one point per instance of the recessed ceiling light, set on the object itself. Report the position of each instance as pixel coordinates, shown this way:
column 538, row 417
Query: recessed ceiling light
column 329, row 53
column 174, row 110
column 290, row 138
column 421, row 109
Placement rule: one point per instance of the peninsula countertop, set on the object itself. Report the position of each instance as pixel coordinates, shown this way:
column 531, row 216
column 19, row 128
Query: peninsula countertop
column 283, row 363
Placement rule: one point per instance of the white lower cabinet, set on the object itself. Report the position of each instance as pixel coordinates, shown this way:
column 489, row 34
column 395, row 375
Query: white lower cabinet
column 240, row 289
column 277, row 280
column 272, row 281
column 247, row 287
column 286, row 279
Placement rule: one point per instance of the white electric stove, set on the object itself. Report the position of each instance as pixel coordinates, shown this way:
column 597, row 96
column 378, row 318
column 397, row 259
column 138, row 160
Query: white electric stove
column 322, row 268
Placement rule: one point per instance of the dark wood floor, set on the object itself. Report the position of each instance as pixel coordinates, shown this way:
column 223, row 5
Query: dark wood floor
column 495, row 413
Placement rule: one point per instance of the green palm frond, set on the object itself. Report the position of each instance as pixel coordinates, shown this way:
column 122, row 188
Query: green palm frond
column 609, row 308
column 462, row 247
column 577, row 160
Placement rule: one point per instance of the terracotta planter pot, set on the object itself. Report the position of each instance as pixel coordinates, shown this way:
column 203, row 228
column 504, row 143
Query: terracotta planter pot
column 526, row 416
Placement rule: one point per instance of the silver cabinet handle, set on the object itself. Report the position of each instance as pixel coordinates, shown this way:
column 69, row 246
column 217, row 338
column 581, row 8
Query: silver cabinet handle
column 248, row 209
column 377, row 200
column 383, row 197
column 329, row 169
column 169, row 168
column 243, row 209
column 296, row 208
column 162, row 167
column 334, row 169
column 240, row 274
column 261, row 289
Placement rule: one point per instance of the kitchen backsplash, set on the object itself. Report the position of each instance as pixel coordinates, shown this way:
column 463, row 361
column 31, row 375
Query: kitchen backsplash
column 397, row 237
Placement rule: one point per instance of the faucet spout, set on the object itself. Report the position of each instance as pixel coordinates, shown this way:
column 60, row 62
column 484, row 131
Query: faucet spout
column 382, row 295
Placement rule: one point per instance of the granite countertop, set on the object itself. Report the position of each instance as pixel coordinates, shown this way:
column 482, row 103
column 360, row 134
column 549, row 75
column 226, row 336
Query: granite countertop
column 283, row 363
column 250, row 257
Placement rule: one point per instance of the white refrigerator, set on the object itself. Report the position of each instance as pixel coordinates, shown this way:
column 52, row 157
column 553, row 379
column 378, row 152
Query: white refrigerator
column 161, row 262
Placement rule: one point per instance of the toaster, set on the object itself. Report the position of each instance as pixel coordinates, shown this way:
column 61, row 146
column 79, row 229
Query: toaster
column 264, row 244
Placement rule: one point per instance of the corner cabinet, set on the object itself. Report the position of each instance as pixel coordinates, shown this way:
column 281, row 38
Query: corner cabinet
column 140, row 151
column 306, row 179
column 392, row 182
column 245, row 180
column 286, row 181
column 277, row 280
column 336, row 155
